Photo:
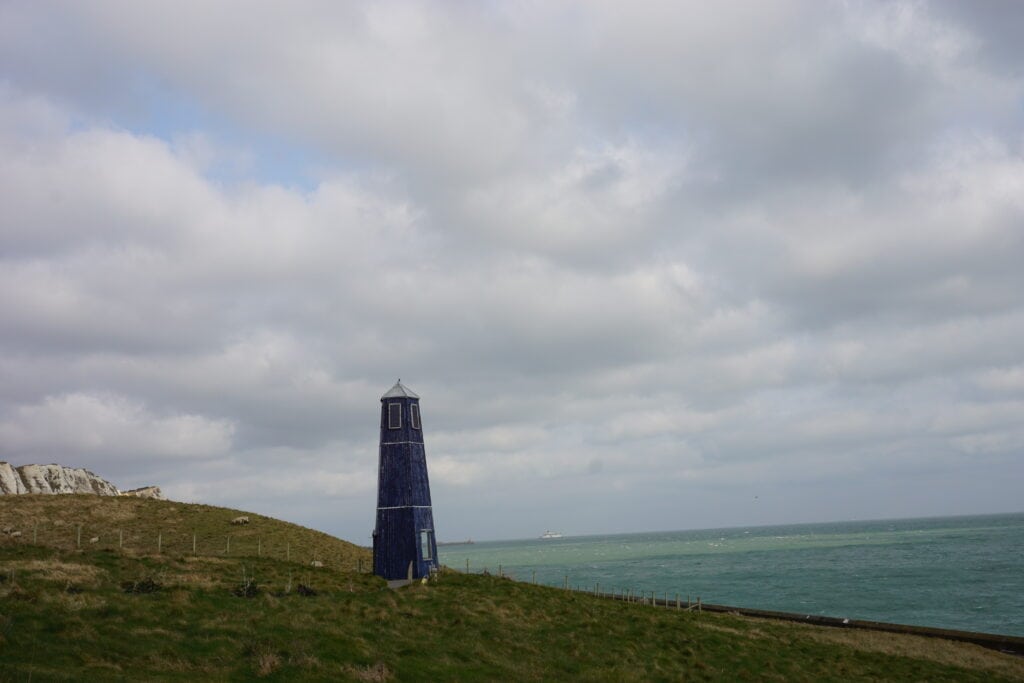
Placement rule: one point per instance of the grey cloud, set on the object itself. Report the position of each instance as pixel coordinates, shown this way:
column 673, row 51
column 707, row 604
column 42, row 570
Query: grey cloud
column 761, row 248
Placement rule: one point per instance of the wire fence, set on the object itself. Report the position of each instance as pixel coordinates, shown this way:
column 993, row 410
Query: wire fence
column 182, row 543
column 631, row 595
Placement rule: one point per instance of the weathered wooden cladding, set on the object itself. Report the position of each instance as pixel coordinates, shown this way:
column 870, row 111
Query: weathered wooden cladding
column 404, row 532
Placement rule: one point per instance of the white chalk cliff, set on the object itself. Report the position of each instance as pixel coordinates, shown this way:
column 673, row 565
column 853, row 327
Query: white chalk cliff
column 59, row 479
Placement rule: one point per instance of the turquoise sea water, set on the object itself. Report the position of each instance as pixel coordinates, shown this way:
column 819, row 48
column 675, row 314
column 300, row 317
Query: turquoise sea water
column 951, row 572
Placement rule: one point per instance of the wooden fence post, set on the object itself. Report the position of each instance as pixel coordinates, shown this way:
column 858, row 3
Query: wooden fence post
column 259, row 547
column 120, row 539
column 159, row 543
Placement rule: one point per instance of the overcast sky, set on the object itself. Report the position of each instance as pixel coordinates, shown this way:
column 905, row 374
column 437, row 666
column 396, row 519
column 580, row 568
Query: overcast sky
column 650, row 266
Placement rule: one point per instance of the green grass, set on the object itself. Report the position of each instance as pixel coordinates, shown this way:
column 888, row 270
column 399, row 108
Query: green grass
column 64, row 615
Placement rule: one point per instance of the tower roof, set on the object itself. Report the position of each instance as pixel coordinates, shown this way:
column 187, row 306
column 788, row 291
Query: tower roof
column 399, row 391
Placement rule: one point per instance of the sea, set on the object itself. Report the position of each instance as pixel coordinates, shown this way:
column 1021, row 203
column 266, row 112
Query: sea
column 963, row 573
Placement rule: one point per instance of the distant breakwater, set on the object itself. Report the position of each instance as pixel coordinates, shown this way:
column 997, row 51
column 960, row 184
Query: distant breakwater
column 1003, row 643
column 1007, row 644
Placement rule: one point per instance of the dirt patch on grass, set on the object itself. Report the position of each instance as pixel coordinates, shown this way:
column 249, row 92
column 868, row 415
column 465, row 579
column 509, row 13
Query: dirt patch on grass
column 55, row 570
column 746, row 633
column 196, row 580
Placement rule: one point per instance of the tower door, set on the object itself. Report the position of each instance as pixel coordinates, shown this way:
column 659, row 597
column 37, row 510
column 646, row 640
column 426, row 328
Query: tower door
column 426, row 538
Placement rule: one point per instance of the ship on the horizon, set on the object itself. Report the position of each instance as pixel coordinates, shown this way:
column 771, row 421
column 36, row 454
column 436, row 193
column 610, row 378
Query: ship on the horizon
column 551, row 534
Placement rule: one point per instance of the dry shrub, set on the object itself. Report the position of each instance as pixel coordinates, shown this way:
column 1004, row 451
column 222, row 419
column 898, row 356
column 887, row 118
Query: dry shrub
column 16, row 592
column 753, row 633
column 141, row 586
column 181, row 596
column 205, row 559
column 197, row 579
column 264, row 658
column 266, row 663
column 73, row 602
column 306, row 661
column 377, row 673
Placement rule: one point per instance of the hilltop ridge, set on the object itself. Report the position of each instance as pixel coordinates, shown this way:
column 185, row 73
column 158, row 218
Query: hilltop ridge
column 140, row 526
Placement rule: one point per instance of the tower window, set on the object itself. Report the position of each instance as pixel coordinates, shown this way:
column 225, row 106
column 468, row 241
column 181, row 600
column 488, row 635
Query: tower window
column 394, row 415
column 414, row 416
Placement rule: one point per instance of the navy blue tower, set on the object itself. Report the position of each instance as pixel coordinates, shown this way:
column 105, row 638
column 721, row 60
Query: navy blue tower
column 404, row 546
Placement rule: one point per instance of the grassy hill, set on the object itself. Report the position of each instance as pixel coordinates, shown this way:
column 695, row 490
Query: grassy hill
column 109, row 613
column 138, row 526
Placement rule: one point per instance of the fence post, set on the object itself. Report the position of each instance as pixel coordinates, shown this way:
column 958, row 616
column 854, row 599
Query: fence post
column 259, row 547
column 227, row 550
column 534, row 577
column 193, row 545
column 677, row 602
column 597, row 588
column 159, row 543
column 566, row 584
column 288, row 551
column 120, row 539
column 79, row 541
column 467, row 565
